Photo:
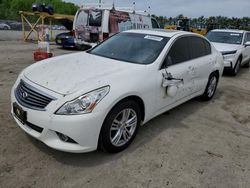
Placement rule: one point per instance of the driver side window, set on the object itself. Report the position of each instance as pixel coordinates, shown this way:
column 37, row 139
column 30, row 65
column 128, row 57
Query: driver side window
column 247, row 38
column 178, row 53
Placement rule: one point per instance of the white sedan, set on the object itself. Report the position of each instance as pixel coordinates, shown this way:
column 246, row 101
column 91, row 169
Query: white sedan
column 234, row 46
column 4, row 26
column 99, row 98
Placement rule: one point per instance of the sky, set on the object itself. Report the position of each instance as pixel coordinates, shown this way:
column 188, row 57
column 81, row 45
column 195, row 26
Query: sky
column 189, row 8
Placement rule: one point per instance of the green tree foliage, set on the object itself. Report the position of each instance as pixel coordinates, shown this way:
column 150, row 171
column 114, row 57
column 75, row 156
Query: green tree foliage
column 217, row 22
column 9, row 9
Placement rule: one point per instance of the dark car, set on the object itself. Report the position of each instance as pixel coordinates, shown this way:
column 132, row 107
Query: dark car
column 66, row 40
column 42, row 7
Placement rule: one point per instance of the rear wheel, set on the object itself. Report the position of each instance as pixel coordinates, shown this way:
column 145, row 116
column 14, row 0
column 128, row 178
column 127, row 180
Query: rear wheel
column 211, row 87
column 120, row 127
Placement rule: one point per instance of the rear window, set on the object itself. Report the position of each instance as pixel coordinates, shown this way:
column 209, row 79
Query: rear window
column 89, row 18
column 82, row 18
column 132, row 47
column 95, row 18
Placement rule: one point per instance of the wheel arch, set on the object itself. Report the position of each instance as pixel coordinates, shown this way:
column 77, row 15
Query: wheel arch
column 137, row 99
column 240, row 57
column 217, row 73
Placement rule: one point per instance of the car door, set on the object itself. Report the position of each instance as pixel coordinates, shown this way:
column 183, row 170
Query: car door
column 202, row 60
column 246, row 49
column 176, row 76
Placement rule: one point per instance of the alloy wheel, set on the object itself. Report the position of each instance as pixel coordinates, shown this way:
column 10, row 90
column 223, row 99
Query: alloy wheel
column 212, row 86
column 123, row 127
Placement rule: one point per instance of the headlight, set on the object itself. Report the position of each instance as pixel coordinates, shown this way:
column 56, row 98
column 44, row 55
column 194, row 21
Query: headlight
column 85, row 103
column 229, row 52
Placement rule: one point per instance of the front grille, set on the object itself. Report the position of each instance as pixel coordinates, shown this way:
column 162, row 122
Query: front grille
column 31, row 97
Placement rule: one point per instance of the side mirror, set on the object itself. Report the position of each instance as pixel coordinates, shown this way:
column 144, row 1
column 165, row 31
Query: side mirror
column 247, row 44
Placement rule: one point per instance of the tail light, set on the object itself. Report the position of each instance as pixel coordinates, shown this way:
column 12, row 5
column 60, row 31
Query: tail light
column 105, row 36
column 73, row 33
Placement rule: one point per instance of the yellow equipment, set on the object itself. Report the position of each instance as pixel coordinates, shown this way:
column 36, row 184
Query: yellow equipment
column 182, row 24
column 171, row 27
column 40, row 20
column 199, row 29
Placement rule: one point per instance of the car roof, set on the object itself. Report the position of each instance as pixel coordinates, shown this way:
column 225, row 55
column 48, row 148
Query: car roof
column 229, row 30
column 160, row 32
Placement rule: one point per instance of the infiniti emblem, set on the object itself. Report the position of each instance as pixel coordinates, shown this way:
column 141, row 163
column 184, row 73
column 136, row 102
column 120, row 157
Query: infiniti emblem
column 24, row 94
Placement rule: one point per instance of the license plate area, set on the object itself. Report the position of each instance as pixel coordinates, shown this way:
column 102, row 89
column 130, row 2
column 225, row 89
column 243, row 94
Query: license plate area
column 20, row 114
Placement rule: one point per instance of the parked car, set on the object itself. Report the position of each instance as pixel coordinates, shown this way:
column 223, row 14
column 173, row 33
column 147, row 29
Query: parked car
column 17, row 25
column 100, row 97
column 4, row 26
column 66, row 40
column 234, row 46
column 93, row 25
column 42, row 7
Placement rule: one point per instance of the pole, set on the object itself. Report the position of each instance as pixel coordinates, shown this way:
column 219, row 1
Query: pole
column 23, row 27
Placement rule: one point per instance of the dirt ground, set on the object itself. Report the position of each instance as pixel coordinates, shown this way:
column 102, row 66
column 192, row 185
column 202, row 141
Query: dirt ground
column 198, row 144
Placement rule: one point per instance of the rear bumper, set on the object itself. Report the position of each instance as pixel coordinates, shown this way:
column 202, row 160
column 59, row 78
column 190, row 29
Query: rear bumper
column 66, row 42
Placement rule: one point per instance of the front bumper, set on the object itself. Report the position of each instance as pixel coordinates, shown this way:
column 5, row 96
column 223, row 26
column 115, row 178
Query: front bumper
column 229, row 61
column 228, row 64
column 83, row 129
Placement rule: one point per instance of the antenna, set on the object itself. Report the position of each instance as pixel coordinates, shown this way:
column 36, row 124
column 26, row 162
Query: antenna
column 149, row 11
column 134, row 7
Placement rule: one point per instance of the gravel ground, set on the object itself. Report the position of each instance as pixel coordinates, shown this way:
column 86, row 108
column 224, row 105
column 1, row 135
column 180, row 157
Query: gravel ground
column 198, row 144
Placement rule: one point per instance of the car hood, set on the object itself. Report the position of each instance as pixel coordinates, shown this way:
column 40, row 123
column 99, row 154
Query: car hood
column 79, row 71
column 222, row 47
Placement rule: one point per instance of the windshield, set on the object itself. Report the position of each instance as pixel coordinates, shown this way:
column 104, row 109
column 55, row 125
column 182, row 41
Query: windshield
column 132, row 47
column 224, row 37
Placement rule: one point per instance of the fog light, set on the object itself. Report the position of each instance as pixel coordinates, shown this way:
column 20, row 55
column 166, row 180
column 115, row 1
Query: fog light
column 65, row 138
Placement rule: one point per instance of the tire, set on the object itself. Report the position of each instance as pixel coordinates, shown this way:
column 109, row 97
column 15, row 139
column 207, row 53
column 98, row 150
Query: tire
column 236, row 68
column 211, row 87
column 247, row 65
column 116, row 135
column 5, row 28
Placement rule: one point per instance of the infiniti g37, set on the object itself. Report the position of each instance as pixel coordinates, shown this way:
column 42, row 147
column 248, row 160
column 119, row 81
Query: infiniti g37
column 99, row 98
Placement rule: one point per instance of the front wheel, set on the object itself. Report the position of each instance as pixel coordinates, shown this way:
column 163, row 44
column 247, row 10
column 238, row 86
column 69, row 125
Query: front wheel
column 236, row 68
column 120, row 127
column 210, row 88
column 247, row 65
